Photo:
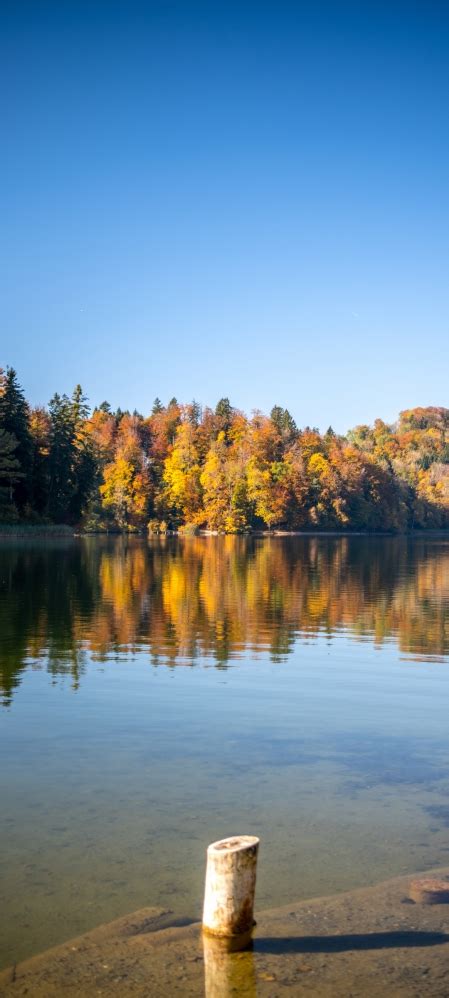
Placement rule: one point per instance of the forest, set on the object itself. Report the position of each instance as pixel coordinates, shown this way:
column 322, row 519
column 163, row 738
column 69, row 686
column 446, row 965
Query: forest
column 186, row 468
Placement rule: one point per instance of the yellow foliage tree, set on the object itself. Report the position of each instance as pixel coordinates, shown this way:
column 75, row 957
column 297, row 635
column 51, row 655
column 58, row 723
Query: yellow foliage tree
column 126, row 492
column 268, row 489
column 181, row 487
column 225, row 488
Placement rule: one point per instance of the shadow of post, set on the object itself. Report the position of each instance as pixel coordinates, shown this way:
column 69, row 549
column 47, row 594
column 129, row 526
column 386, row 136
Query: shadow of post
column 345, row 943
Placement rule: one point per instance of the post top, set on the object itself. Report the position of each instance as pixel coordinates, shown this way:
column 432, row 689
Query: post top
column 235, row 843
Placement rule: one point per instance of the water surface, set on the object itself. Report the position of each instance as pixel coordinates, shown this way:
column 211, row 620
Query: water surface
column 159, row 695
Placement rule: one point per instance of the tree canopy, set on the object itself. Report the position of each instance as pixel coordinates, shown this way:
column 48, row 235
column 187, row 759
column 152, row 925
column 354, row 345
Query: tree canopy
column 185, row 467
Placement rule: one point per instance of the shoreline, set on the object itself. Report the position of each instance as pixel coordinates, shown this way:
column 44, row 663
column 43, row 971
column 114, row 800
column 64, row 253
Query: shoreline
column 361, row 942
column 54, row 530
column 35, row 530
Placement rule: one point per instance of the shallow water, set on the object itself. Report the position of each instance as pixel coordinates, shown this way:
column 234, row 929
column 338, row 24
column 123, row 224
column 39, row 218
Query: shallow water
column 159, row 695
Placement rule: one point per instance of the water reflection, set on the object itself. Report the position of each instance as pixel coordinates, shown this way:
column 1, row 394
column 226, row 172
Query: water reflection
column 210, row 599
column 229, row 967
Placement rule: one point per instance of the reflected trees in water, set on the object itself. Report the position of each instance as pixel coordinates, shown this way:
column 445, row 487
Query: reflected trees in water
column 202, row 600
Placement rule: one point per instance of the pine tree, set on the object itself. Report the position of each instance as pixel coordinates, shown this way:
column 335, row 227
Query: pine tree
column 80, row 406
column 10, row 474
column 284, row 423
column 61, row 460
column 40, row 438
column 85, row 478
column 224, row 413
column 14, row 419
column 71, row 461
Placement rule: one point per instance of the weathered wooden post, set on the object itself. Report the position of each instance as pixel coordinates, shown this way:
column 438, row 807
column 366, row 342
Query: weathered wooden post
column 230, row 886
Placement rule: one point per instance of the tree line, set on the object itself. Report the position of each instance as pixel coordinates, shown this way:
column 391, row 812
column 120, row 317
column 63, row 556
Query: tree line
column 186, row 467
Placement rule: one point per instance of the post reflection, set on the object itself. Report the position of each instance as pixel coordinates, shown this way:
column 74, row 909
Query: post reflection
column 229, row 968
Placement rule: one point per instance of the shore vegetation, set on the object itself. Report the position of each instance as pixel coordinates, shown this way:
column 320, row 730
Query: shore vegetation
column 186, row 468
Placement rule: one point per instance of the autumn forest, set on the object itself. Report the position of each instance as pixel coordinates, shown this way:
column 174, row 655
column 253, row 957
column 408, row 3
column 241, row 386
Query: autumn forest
column 186, row 468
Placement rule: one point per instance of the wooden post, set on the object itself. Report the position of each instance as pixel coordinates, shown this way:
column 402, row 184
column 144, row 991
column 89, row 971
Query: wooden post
column 230, row 886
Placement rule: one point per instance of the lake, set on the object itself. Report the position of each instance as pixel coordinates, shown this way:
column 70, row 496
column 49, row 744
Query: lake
column 157, row 695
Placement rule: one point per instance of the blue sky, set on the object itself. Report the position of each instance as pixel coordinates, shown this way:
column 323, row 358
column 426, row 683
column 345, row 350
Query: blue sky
column 208, row 199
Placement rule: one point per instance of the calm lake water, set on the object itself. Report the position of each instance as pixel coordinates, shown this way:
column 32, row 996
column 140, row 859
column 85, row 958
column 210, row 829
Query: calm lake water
column 159, row 695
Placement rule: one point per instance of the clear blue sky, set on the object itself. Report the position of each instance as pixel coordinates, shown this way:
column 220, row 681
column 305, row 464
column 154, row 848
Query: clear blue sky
column 242, row 199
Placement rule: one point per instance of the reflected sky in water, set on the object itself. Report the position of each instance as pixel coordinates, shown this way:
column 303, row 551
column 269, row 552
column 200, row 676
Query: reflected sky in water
column 313, row 712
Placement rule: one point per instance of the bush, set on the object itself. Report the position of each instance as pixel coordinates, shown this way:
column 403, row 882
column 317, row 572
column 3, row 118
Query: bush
column 189, row 530
column 157, row 527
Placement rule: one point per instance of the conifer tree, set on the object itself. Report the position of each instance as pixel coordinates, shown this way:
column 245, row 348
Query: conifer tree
column 39, row 423
column 224, row 413
column 10, row 474
column 14, row 419
column 84, row 470
column 61, row 485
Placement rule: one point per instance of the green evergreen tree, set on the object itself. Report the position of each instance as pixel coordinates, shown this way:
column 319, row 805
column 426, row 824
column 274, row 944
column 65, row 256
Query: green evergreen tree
column 284, row 423
column 80, row 406
column 224, row 413
column 61, row 458
column 71, row 460
column 39, row 430
column 14, row 420
column 85, row 475
column 10, row 475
